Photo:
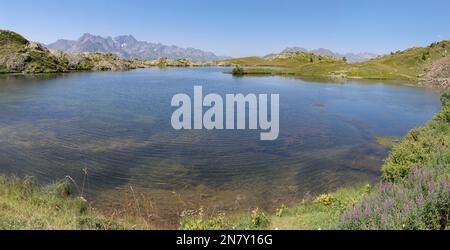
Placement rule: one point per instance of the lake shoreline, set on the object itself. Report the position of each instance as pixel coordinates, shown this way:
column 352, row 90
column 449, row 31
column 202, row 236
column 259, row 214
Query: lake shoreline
column 317, row 212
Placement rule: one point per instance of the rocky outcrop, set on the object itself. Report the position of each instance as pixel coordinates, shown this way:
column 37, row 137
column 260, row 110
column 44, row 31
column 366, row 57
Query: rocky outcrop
column 18, row 55
column 168, row 62
column 438, row 73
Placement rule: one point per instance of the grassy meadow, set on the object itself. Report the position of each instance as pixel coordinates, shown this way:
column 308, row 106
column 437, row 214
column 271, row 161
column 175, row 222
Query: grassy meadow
column 409, row 64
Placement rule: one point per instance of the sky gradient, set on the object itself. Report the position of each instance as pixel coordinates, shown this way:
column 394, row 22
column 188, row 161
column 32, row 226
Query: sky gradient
column 238, row 28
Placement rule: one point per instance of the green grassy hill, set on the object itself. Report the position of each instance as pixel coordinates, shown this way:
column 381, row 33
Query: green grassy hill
column 402, row 65
column 18, row 55
column 409, row 64
column 287, row 59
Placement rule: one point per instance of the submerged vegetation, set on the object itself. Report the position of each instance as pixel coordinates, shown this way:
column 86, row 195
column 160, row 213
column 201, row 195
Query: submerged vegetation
column 414, row 194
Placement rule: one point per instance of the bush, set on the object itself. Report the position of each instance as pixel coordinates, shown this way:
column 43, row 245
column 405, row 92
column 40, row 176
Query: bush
column 238, row 71
column 444, row 115
column 62, row 189
column 259, row 219
column 281, row 211
column 445, row 99
column 326, row 199
column 198, row 220
column 423, row 146
column 424, row 57
column 421, row 201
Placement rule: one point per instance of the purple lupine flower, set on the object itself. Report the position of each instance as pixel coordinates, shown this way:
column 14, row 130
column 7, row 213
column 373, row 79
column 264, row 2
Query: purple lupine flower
column 387, row 204
column 384, row 218
column 385, row 187
column 367, row 211
column 350, row 214
column 419, row 200
column 443, row 184
column 431, row 187
column 407, row 209
column 357, row 212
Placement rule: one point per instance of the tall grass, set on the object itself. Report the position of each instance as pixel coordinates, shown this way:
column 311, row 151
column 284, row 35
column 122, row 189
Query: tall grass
column 26, row 205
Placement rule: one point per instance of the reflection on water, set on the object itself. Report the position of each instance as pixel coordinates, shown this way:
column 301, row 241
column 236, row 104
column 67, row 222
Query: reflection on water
column 118, row 126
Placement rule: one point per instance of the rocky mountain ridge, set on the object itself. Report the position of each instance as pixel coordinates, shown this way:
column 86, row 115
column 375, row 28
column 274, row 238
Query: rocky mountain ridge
column 129, row 47
column 351, row 57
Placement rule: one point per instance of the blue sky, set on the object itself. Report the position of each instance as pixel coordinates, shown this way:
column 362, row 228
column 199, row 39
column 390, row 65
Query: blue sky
column 238, row 28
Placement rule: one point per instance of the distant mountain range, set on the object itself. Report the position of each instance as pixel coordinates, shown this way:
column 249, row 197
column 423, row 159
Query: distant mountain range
column 351, row 57
column 129, row 48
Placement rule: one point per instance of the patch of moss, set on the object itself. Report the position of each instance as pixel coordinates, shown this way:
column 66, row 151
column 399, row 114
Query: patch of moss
column 387, row 141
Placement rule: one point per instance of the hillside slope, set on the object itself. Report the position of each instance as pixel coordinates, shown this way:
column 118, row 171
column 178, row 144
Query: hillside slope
column 351, row 57
column 18, row 55
column 411, row 64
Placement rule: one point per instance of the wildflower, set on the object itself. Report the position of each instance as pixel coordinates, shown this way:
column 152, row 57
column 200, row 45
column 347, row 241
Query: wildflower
column 387, row 204
column 367, row 211
column 431, row 187
column 357, row 212
column 350, row 214
column 443, row 184
column 385, row 187
column 419, row 200
column 407, row 209
column 384, row 219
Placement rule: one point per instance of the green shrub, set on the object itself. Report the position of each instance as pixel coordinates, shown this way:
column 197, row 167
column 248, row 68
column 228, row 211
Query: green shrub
column 445, row 99
column 198, row 220
column 238, row 71
column 281, row 211
column 326, row 199
column 259, row 219
column 62, row 189
column 444, row 115
column 427, row 145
